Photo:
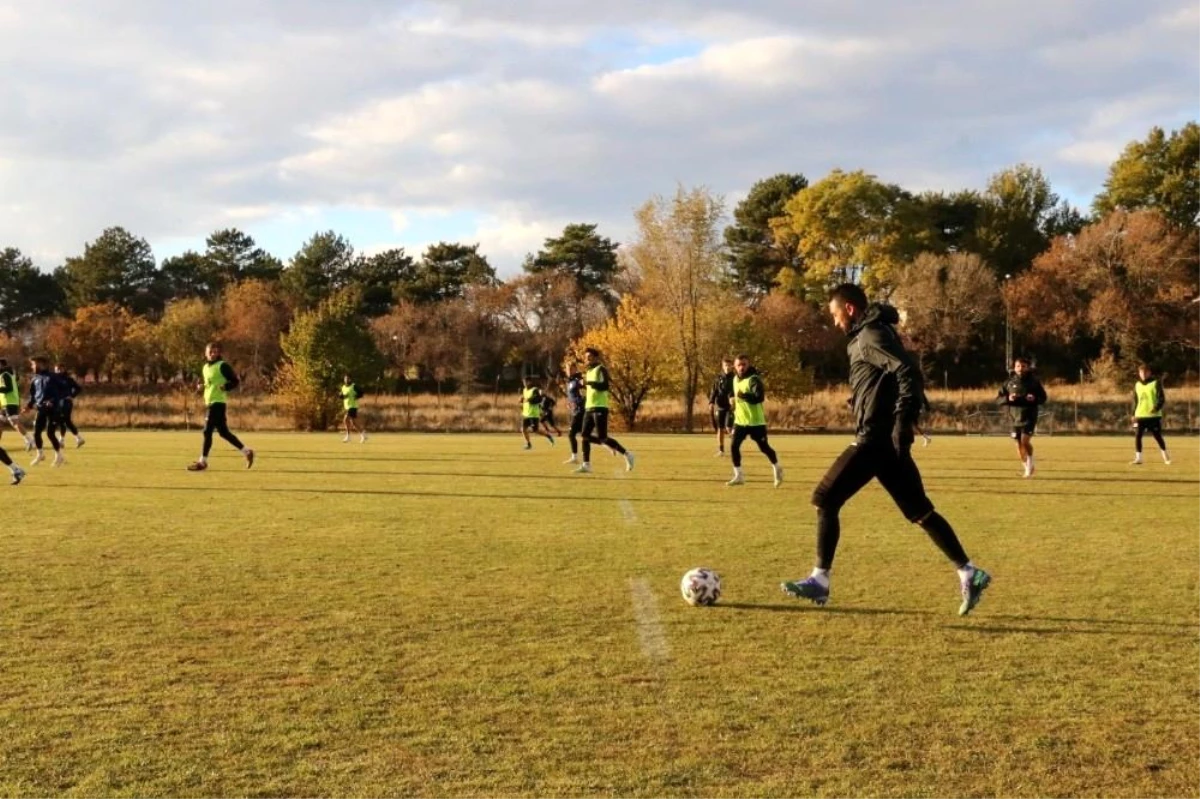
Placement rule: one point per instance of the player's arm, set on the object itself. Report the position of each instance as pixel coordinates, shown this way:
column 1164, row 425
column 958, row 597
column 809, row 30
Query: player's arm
column 231, row 379
column 602, row 383
column 1160, row 397
column 1039, row 393
column 6, row 382
column 756, row 392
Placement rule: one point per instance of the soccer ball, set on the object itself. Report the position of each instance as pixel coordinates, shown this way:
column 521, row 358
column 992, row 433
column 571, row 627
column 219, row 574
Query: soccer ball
column 701, row 587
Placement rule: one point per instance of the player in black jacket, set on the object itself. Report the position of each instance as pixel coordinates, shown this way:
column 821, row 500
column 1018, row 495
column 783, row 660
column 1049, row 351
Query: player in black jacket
column 1022, row 394
column 887, row 388
column 45, row 397
column 720, row 404
column 69, row 389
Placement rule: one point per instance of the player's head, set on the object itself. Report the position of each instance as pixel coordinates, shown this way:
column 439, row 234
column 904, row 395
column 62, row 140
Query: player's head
column 741, row 364
column 1021, row 364
column 346, row 380
column 847, row 303
column 212, row 350
column 59, row 369
column 1145, row 371
column 526, row 380
column 592, row 356
column 726, row 365
column 38, row 363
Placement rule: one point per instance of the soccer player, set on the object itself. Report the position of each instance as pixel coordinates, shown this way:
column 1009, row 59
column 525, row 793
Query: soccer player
column 1148, row 401
column 749, row 421
column 69, row 389
column 219, row 378
column 350, row 396
column 10, row 391
column 531, row 411
column 1022, row 393
column 44, row 398
column 720, row 404
column 546, row 408
column 575, row 402
column 595, row 413
column 887, row 387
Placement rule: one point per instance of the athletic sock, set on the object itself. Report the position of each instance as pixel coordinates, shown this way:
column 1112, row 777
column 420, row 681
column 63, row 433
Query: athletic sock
column 821, row 576
column 966, row 571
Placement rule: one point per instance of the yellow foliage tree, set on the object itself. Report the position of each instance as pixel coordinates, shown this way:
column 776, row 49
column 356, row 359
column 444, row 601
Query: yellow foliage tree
column 635, row 346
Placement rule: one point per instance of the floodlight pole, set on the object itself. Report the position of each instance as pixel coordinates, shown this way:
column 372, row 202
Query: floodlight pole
column 1008, row 351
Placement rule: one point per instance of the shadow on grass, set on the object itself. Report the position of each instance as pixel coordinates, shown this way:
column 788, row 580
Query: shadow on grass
column 809, row 608
column 386, row 493
column 991, row 629
column 935, row 489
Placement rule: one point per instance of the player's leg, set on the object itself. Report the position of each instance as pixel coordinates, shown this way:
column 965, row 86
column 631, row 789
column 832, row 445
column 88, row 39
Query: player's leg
column 719, row 429
column 735, row 455
column 588, row 435
column 1139, row 431
column 39, row 428
column 1156, row 431
column 900, row 477
column 18, row 473
column 525, row 432
column 573, row 436
column 759, row 436
column 545, row 431
column 222, row 428
column 612, row 443
column 52, row 434
column 852, row 470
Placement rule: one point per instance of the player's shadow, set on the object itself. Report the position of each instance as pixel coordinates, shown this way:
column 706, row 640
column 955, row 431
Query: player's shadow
column 935, row 488
column 796, row 607
column 1002, row 629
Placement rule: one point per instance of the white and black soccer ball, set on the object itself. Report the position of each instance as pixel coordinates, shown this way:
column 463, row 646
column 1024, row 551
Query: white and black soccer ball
column 701, row 587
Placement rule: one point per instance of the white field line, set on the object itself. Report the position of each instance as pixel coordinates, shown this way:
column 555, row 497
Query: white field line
column 649, row 626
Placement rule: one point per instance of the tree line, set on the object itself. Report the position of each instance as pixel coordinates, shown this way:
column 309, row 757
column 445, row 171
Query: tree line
column 969, row 270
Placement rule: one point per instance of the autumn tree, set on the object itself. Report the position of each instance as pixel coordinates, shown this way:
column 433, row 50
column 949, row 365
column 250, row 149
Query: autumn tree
column 636, row 346
column 1162, row 172
column 97, row 336
column 254, row 314
column 187, row 325
column 947, row 303
column 1128, row 281
column 678, row 255
column 1021, row 214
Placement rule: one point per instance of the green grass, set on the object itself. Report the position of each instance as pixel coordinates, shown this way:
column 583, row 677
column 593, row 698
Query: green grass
column 448, row 615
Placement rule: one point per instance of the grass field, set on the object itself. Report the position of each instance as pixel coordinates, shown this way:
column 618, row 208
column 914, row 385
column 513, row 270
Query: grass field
column 448, row 615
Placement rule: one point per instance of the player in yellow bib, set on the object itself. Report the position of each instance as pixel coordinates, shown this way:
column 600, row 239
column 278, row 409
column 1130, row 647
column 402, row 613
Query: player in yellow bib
column 1148, row 401
column 749, row 419
column 595, row 413
column 219, row 378
column 351, row 394
column 531, row 412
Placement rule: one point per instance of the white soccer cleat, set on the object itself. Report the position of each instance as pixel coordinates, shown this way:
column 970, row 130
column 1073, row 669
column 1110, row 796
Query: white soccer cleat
column 719, row 453
column 59, row 460
column 38, row 457
column 629, row 461
column 346, row 439
column 79, row 442
column 18, row 474
column 778, row 470
column 571, row 459
column 737, row 480
column 1166, row 458
column 584, row 468
column 928, row 440
column 363, row 438
column 29, row 445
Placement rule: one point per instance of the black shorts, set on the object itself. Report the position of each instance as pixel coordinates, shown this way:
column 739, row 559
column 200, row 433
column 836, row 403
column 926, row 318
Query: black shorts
column 529, row 422
column 861, row 462
column 1152, row 424
column 12, row 411
column 352, row 413
column 548, row 419
column 720, row 418
column 1024, row 428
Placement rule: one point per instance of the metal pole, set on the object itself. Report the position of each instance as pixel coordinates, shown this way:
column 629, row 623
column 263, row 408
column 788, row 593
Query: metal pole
column 1008, row 353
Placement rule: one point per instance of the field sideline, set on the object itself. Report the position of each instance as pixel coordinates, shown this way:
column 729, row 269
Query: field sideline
column 433, row 614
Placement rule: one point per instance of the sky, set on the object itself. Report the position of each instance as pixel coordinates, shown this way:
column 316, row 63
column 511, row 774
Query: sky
column 400, row 124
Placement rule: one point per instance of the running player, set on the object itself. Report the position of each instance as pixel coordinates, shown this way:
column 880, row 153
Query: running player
column 546, row 407
column 1148, row 401
column 575, row 403
column 10, row 391
column 595, row 413
column 749, row 420
column 219, row 378
column 69, row 389
column 887, row 387
column 350, row 396
column 531, row 411
column 1022, row 393
column 44, row 398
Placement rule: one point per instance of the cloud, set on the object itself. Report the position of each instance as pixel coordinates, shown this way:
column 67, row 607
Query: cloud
column 515, row 119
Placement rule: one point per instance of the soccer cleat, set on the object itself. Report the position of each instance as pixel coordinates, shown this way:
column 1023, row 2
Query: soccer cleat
column 737, row 480
column 249, row 458
column 629, row 461
column 18, row 474
column 571, row 459
column 719, row 453
column 1166, row 459
column 972, row 590
column 79, row 442
column 527, row 446
column 1136, row 461
column 363, row 438
column 198, row 466
column 778, row 470
column 59, row 460
column 928, row 440
column 584, row 468
column 346, row 439
column 551, row 440
column 807, row 588
column 29, row 445
column 38, row 457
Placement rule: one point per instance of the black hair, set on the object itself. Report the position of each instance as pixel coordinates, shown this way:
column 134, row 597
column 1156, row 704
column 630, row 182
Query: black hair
column 850, row 294
column 592, row 351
